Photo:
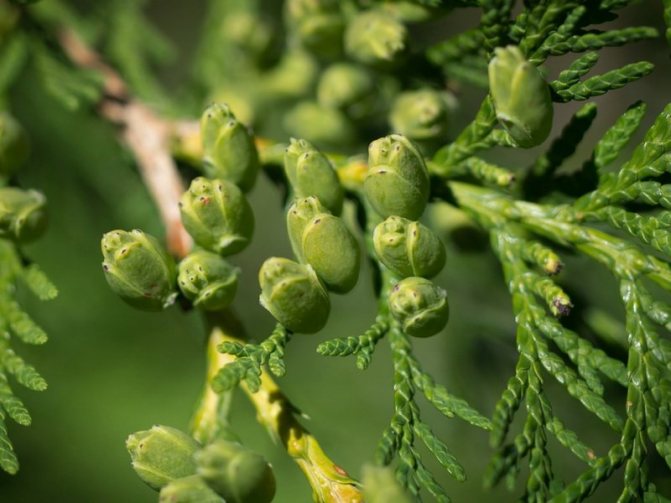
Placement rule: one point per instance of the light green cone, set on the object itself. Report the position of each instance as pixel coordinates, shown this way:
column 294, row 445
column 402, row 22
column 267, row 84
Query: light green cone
column 293, row 295
column 408, row 248
column 324, row 241
column 207, row 280
column 397, row 182
column 521, row 97
column 238, row 474
column 420, row 306
column 161, row 455
column 217, row 215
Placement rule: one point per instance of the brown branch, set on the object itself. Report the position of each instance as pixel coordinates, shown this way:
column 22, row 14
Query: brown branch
column 146, row 134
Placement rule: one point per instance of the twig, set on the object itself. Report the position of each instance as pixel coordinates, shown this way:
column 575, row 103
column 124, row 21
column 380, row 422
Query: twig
column 147, row 135
column 330, row 483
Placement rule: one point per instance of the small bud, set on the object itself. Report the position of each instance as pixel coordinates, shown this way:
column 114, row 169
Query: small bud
column 238, row 474
column 249, row 32
column 375, row 37
column 191, row 489
column 293, row 295
column 318, row 24
column 217, row 215
column 138, row 269
column 521, row 97
column 161, row 455
column 228, row 148
column 13, row 145
column 420, row 306
column 408, row 248
column 380, row 486
column 310, row 174
column 397, row 182
column 207, row 280
column 327, row 127
column 421, row 115
column 324, row 241
column 344, row 85
column 23, row 216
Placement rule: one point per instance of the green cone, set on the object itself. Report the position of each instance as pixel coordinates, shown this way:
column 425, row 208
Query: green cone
column 420, row 306
column 324, row 126
column 238, row 474
column 293, row 295
column 138, row 269
column 217, row 215
column 344, row 86
column 191, row 489
column 317, row 24
column 408, row 248
column 207, row 280
column 324, row 241
column 397, row 182
column 161, row 455
column 228, row 147
column 521, row 97
column 421, row 115
column 311, row 174
column 375, row 37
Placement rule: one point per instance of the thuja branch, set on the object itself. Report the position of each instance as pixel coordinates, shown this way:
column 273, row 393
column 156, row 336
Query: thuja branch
column 329, row 482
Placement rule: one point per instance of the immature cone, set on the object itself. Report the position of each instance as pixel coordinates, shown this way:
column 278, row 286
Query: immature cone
column 207, row 280
column 327, row 127
column 228, row 148
column 191, row 489
column 420, row 306
column 344, row 86
column 138, row 269
column 318, row 24
column 238, row 474
column 324, row 241
column 310, row 174
column 521, row 97
column 217, row 215
column 161, row 455
column 380, row 486
column 397, row 182
column 408, row 248
column 13, row 144
column 250, row 32
column 421, row 115
column 293, row 295
column 23, row 216
column 375, row 37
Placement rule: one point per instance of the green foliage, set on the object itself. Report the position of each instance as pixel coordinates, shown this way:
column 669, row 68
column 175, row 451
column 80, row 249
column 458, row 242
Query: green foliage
column 15, row 323
column 250, row 360
column 341, row 76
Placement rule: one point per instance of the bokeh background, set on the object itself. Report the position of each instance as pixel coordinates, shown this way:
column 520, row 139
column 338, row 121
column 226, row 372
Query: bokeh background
column 113, row 370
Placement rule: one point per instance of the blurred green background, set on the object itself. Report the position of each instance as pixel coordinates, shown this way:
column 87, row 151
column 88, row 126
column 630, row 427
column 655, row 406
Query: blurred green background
column 113, row 370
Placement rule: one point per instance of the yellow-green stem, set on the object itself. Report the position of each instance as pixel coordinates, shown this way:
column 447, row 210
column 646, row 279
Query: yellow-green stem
column 329, row 482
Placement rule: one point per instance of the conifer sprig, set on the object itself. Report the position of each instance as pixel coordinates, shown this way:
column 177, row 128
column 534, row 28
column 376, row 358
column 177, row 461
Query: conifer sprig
column 15, row 323
column 251, row 359
column 406, row 430
column 362, row 346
